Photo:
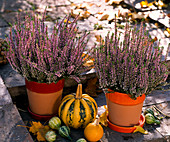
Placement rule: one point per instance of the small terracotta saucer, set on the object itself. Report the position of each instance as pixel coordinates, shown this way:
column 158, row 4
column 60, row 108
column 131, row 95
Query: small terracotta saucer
column 126, row 129
column 40, row 117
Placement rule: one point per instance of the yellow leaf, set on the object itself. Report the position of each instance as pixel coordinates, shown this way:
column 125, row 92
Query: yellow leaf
column 66, row 21
column 103, row 117
column 144, row 3
column 38, row 129
column 150, row 4
column 88, row 61
column 168, row 30
column 40, row 137
column 34, row 127
column 140, row 129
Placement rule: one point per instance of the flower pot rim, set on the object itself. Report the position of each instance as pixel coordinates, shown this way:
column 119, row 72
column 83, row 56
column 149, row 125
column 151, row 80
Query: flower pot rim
column 124, row 99
column 126, row 129
column 44, row 87
column 40, row 117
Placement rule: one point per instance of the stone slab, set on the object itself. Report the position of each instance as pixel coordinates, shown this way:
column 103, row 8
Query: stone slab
column 14, row 5
column 10, row 119
column 157, row 97
column 10, row 77
column 9, row 130
column 84, row 25
column 60, row 12
column 161, row 17
column 4, row 95
column 49, row 2
column 3, row 23
column 12, row 16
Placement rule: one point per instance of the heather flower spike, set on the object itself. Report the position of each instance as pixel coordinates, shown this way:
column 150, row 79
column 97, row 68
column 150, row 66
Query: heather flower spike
column 43, row 58
column 133, row 66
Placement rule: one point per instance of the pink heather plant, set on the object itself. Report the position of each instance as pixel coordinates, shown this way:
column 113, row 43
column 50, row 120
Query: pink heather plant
column 43, row 58
column 133, row 66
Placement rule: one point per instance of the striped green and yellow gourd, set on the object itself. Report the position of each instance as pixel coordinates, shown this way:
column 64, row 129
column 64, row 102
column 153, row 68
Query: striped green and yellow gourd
column 77, row 110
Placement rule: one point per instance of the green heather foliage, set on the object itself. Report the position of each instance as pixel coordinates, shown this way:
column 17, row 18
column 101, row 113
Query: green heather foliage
column 131, row 66
column 43, row 58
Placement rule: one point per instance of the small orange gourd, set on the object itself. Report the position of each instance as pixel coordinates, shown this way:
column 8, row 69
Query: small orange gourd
column 93, row 131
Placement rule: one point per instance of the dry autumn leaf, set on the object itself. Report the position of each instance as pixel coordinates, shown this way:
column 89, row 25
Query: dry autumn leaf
column 85, row 5
column 160, row 4
column 103, row 117
column 66, row 21
column 99, row 38
column 89, row 61
column 168, row 30
column 144, row 4
column 140, row 129
column 82, row 14
column 38, row 129
column 114, row 2
column 138, row 15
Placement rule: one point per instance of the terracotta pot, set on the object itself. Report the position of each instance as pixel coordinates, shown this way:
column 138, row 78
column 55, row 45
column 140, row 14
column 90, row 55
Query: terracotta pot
column 44, row 99
column 124, row 111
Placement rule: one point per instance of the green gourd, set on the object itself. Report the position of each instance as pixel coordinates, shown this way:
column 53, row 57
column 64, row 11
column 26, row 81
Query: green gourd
column 64, row 131
column 50, row 136
column 81, row 140
column 150, row 119
column 54, row 123
column 149, row 110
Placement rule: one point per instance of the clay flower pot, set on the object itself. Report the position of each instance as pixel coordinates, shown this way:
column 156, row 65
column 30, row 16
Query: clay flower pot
column 44, row 99
column 124, row 111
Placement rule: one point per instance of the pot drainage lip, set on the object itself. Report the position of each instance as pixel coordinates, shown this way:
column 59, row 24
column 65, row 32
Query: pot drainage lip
column 40, row 117
column 126, row 129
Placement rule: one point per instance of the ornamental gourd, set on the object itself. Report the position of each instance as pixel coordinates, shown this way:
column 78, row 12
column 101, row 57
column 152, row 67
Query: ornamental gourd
column 93, row 131
column 77, row 110
column 54, row 123
column 50, row 136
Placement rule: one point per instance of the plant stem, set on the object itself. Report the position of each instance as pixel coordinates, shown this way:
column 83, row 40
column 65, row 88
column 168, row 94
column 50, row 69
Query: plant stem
column 97, row 121
column 79, row 91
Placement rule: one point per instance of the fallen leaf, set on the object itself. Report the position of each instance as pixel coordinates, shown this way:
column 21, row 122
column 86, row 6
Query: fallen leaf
column 85, row 5
column 150, row 4
column 99, row 38
column 66, row 21
column 20, row 10
column 38, row 129
column 168, row 30
column 35, row 127
column 89, row 61
column 103, row 117
column 138, row 15
column 144, row 4
column 40, row 137
column 166, row 33
column 103, row 16
column 114, row 2
column 168, row 15
column 140, row 129
column 82, row 14
column 157, row 25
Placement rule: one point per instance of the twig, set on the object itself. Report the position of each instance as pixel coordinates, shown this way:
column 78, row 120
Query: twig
column 161, row 111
